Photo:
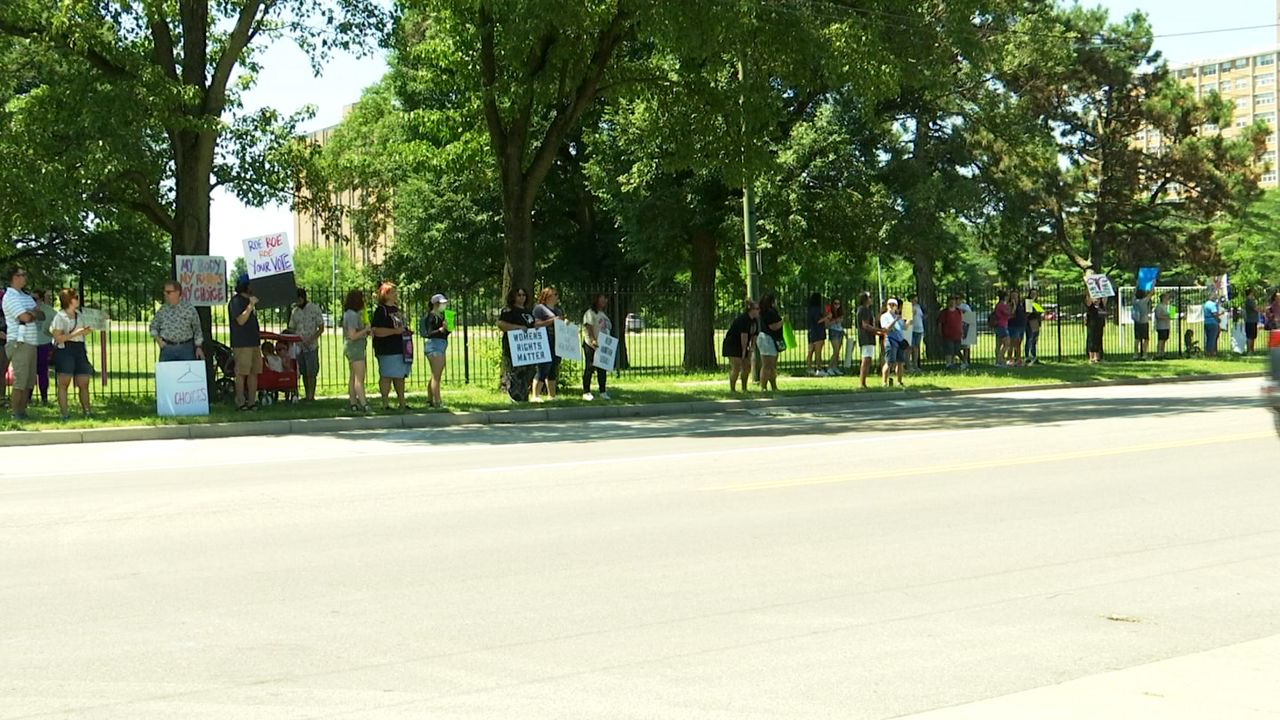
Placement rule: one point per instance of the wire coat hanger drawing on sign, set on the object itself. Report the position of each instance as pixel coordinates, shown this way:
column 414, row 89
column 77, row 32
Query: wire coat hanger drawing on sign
column 189, row 378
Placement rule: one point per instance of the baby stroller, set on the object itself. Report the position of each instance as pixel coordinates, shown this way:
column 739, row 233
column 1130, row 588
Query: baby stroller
column 282, row 380
column 224, row 363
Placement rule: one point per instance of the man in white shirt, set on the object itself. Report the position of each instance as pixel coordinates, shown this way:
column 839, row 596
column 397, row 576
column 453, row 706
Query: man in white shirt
column 21, row 315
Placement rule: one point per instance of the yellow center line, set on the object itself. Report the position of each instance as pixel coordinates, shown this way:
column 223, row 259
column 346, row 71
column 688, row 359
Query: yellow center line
column 990, row 464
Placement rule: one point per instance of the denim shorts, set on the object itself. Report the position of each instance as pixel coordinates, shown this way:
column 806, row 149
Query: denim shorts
column 1017, row 333
column 1002, row 332
column 393, row 366
column 549, row 370
column 835, row 336
column 896, row 351
column 72, row 360
column 435, row 346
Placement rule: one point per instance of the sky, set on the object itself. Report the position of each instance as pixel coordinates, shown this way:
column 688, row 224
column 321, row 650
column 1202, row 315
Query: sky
column 287, row 83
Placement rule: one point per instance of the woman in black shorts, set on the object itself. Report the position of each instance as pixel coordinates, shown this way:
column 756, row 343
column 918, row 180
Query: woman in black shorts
column 738, row 344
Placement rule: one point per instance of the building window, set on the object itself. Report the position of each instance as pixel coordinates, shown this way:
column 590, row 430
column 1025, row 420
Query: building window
column 1242, row 122
column 1269, row 157
column 1265, row 98
column 1267, row 117
column 1242, row 83
column 1209, row 70
column 1225, row 67
column 1266, row 60
column 1210, row 127
column 1242, row 102
column 1269, row 177
column 1242, row 63
column 1265, row 80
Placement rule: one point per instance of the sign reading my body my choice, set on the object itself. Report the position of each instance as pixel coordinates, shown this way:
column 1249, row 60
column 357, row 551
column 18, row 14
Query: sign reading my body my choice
column 203, row 278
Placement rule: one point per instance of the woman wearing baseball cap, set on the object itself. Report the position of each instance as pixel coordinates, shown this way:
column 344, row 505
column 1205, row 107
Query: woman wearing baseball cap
column 435, row 329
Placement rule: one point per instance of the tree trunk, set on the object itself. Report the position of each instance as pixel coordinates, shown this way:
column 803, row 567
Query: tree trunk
column 193, row 164
column 928, row 290
column 699, row 334
column 517, row 216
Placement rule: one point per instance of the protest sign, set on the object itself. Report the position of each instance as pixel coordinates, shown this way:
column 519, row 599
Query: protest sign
column 1195, row 314
column 269, row 259
column 1099, row 287
column 1221, row 288
column 969, row 322
column 908, row 313
column 203, row 279
column 607, row 353
column 1147, row 278
column 567, row 341
column 529, row 347
column 181, row 389
column 94, row 319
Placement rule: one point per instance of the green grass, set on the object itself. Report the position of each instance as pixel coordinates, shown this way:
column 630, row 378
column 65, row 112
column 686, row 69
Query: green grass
column 116, row 412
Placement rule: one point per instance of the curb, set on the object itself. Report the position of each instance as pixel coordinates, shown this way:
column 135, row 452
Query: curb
column 19, row 438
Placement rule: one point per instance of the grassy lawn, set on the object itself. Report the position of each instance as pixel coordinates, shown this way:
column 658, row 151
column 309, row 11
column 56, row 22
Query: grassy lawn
column 639, row 389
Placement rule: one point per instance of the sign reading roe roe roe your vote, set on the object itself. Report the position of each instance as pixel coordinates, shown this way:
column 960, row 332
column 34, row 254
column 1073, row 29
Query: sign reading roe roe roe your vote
column 268, row 255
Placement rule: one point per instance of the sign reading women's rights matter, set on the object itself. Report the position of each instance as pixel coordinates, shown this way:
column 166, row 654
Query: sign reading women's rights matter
column 203, row 279
column 607, row 353
column 567, row 346
column 181, row 389
column 529, row 347
column 269, row 259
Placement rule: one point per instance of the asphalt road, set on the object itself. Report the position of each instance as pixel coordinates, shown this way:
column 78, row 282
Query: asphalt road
column 863, row 562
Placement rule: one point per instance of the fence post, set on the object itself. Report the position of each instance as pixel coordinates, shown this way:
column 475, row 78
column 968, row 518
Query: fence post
column 1181, row 312
column 1058, row 319
column 466, row 344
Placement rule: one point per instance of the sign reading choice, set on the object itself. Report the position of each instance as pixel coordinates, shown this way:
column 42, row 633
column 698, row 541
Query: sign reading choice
column 529, row 347
column 203, row 278
column 181, row 389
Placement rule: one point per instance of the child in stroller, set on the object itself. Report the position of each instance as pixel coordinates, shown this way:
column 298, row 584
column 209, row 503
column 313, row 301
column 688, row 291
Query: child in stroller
column 1190, row 347
column 279, row 370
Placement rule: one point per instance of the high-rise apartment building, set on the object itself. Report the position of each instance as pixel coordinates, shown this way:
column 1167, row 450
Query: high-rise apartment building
column 309, row 231
column 1247, row 80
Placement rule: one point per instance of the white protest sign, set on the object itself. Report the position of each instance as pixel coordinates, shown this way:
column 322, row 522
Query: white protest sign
column 268, row 255
column 529, row 347
column 95, row 319
column 1195, row 314
column 607, row 353
column 969, row 321
column 567, row 341
column 181, row 389
column 203, row 279
column 1099, row 287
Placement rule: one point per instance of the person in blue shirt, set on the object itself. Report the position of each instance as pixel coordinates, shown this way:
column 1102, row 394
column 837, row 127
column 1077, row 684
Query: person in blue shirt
column 1212, row 326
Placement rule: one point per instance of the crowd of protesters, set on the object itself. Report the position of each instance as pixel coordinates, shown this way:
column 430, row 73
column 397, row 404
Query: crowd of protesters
column 36, row 339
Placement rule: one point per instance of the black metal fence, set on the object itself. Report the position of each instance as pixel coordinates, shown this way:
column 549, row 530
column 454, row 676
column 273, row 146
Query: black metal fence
column 650, row 322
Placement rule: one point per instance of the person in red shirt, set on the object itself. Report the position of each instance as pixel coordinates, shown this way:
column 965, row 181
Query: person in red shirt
column 1000, row 321
column 951, row 326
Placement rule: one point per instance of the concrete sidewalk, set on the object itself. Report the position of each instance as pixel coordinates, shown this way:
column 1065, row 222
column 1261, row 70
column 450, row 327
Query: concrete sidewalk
column 1240, row 682
column 530, row 414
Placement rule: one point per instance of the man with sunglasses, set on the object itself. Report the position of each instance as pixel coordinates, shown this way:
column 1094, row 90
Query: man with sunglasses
column 176, row 327
column 21, row 314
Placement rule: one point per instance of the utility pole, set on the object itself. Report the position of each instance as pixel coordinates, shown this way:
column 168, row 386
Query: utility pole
column 749, row 211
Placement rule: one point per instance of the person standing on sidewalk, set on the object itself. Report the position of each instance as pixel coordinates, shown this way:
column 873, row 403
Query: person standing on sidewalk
column 70, row 358
column 835, row 334
column 1212, row 326
column 916, row 329
column 388, row 345
column 355, row 348
column 951, row 328
column 1000, row 323
column 246, row 344
column 896, row 349
column 595, row 322
column 545, row 314
column 1035, row 317
column 435, row 333
column 21, row 313
column 307, row 321
column 1164, row 323
column 1251, row 317
column 4, row 362
column 816, row 327
column 44, row 344
column 1017, row 327
column 1141, row 313
column 1095, row 322
column 515, row 316
column 868, row 330
column 771, row 342
column 176, row 327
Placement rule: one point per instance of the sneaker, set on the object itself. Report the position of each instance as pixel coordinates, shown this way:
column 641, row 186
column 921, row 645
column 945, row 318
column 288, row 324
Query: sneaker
column 605, row 396
column 537, row 399
column 588, row 397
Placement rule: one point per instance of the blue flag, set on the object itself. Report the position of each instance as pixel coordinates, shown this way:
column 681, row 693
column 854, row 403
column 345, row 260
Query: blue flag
column 1147, row 278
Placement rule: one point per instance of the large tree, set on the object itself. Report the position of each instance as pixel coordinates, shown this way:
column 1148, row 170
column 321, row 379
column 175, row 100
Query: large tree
column 137, row 105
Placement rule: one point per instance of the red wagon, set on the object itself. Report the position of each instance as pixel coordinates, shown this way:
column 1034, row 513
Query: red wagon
column 274, row 383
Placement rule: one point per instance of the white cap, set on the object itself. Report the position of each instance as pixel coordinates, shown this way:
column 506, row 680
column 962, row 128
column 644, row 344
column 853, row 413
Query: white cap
column 891, row 301
column 439, row 299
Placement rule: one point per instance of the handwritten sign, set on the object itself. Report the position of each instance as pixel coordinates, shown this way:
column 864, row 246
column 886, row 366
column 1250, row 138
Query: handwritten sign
column 1099, row 286
column 203, row 278
column 268, row 255
column 95, row 319
column 567, row 341
column 1147, row 277
column 181, row 389
column 529, row 347
column 969, row 323
column 607, row 353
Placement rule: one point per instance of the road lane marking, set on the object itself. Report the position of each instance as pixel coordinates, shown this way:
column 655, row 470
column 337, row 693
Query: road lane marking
column 991, row 464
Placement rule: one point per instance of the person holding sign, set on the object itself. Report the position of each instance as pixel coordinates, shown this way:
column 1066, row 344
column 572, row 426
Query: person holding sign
column 70, row 359
column 738, row 344
column 544, row 315
column 176, row 327
column 388, row 344
column 513, row 317
column 1140, row 313
column 1095, row 323
column 1035, row 316
column 1164, row 322
column 246, row 344
column 595, row 323
column 355, row 349
column 435, row 330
